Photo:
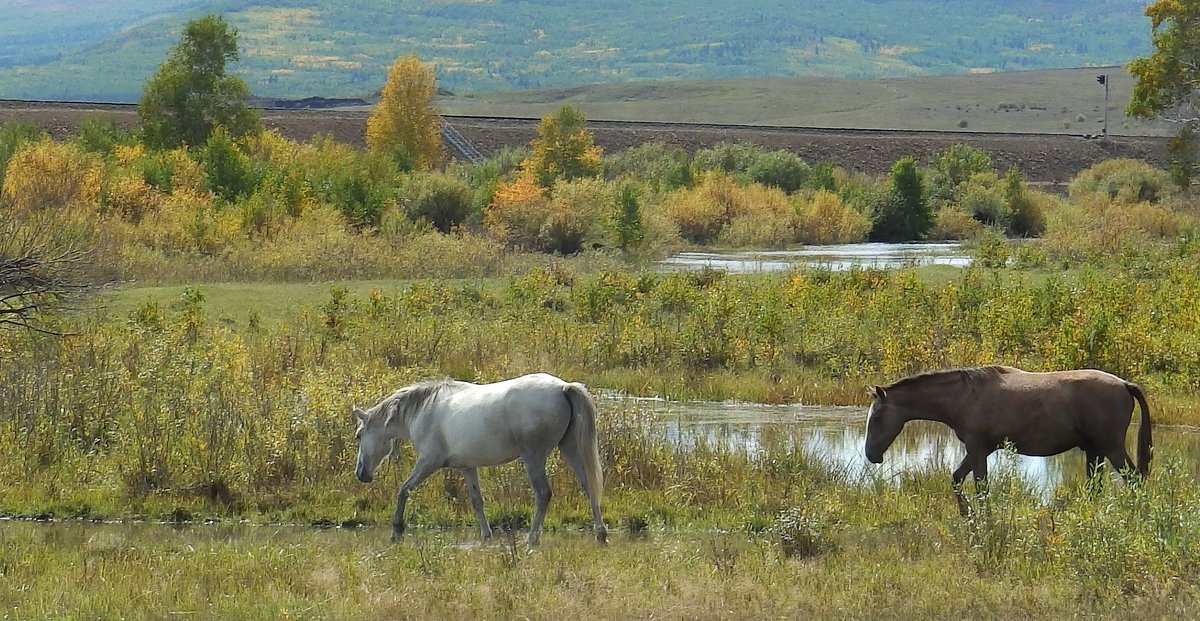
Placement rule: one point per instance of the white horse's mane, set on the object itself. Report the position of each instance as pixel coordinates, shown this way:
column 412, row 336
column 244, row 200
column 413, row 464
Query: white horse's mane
column 413, row 398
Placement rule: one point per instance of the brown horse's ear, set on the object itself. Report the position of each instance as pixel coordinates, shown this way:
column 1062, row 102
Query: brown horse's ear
column 877, row 391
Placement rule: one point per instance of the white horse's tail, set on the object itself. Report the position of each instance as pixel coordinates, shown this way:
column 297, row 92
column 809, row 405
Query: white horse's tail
column 582, row 433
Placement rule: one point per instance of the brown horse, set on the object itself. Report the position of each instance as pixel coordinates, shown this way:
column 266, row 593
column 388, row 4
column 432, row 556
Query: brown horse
column 1039, row 413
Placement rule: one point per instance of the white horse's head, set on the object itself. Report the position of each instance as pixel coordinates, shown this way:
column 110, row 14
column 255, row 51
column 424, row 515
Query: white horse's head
column 374, row 445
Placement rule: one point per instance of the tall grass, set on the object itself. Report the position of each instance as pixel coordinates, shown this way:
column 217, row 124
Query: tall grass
column 172, row 405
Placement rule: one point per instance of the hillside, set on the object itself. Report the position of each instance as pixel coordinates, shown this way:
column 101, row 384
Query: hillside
column 1066, row 101
column 61, row 49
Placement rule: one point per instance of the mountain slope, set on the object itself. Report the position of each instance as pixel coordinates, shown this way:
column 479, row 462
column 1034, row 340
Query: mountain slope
column 296, row 48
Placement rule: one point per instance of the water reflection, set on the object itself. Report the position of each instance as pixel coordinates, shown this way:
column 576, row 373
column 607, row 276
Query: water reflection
column 838, row 257
column 834, row 435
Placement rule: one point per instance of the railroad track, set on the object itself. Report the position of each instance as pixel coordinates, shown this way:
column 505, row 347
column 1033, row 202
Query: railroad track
column 1048, row 158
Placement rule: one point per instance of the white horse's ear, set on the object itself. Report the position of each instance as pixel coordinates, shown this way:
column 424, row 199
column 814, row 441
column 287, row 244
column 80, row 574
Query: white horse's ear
column 877, row 391
column 360, row 414
column 391, row 410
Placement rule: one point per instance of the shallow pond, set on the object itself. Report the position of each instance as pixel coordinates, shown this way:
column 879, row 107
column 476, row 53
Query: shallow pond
column 839, row 257
column 834, row 435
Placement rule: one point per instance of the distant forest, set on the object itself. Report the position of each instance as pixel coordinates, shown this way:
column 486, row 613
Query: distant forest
column 67, row 49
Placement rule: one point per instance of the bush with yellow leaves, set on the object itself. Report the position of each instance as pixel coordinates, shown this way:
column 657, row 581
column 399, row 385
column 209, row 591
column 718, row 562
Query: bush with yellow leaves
column 49, row 175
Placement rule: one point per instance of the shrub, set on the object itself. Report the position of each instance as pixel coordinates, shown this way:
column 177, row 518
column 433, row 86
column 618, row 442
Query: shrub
column 825, row 219
column 484, row 177
column 800, row 533
column 564, row 149
column 14, row 134
column 100, row 134
column 628, row 220
column 651, row 162
column 953, row 167
column 982, row 197
column 49, row 175
column 360, row 201
column 158, row 170
column 953, row 222
column 989, row 248
column 575, row 212
column 1126, row 180
column 758, row 216
column 701, row 212
column 228, row 172
column 727, row 157
column 904, row 213
column 129, row 196
column 517, row 212
column 443, row 200
column 781, row 169
column 1025, row 217
column 581, row 210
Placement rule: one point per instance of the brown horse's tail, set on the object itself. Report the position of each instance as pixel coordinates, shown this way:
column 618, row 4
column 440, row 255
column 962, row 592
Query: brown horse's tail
column 1145, row 443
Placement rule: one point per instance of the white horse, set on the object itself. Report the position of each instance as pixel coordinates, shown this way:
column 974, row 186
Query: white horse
column 462, row 425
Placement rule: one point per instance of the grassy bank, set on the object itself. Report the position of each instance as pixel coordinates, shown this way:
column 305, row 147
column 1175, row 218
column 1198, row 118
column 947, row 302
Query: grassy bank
column 832, row 551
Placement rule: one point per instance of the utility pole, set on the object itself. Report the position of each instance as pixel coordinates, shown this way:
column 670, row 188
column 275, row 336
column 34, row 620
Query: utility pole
column 1103, row 79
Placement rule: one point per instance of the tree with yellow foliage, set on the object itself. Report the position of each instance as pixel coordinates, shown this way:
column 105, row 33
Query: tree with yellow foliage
column 404, row 121
column 1166, row 81
column 563, row 149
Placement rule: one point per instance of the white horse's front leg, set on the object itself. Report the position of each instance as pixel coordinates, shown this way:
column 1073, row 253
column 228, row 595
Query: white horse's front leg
column 472, row 477
column 421, row 471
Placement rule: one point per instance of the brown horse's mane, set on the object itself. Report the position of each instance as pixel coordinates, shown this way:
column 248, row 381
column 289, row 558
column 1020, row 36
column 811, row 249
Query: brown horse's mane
column 966, row 375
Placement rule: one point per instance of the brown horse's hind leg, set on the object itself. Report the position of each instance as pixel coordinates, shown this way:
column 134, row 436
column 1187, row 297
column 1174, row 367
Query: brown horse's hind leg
column 1094, row 462
column 1119, row 458
column 960, row 475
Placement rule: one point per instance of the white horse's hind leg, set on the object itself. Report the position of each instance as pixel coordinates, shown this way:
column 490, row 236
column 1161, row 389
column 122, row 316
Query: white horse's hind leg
column 575, row 461
column 472, row 477
column 535, row 467
column 421, row 471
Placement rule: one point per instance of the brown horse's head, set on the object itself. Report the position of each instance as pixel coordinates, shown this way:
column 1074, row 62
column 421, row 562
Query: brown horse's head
column 884, row 422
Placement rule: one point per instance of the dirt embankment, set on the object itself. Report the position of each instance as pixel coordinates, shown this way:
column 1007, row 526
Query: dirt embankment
column 1041, row 158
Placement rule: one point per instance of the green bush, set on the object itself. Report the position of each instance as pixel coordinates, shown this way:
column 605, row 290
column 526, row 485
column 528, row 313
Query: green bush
column 649, row 162
column 954, row 166
column 1025, row 217
column 781, row 169
column 728, row 157
column 983, row 198
column 99, row 134
column 228, row 172
column 628, row 221
column 443, row 200
column 904, row 213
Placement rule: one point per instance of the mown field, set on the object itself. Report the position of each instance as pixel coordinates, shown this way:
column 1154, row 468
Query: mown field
column 1066, row 101
column 257, row 289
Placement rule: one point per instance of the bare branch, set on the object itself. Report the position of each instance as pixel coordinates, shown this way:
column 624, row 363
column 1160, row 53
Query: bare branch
column 42, row 271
